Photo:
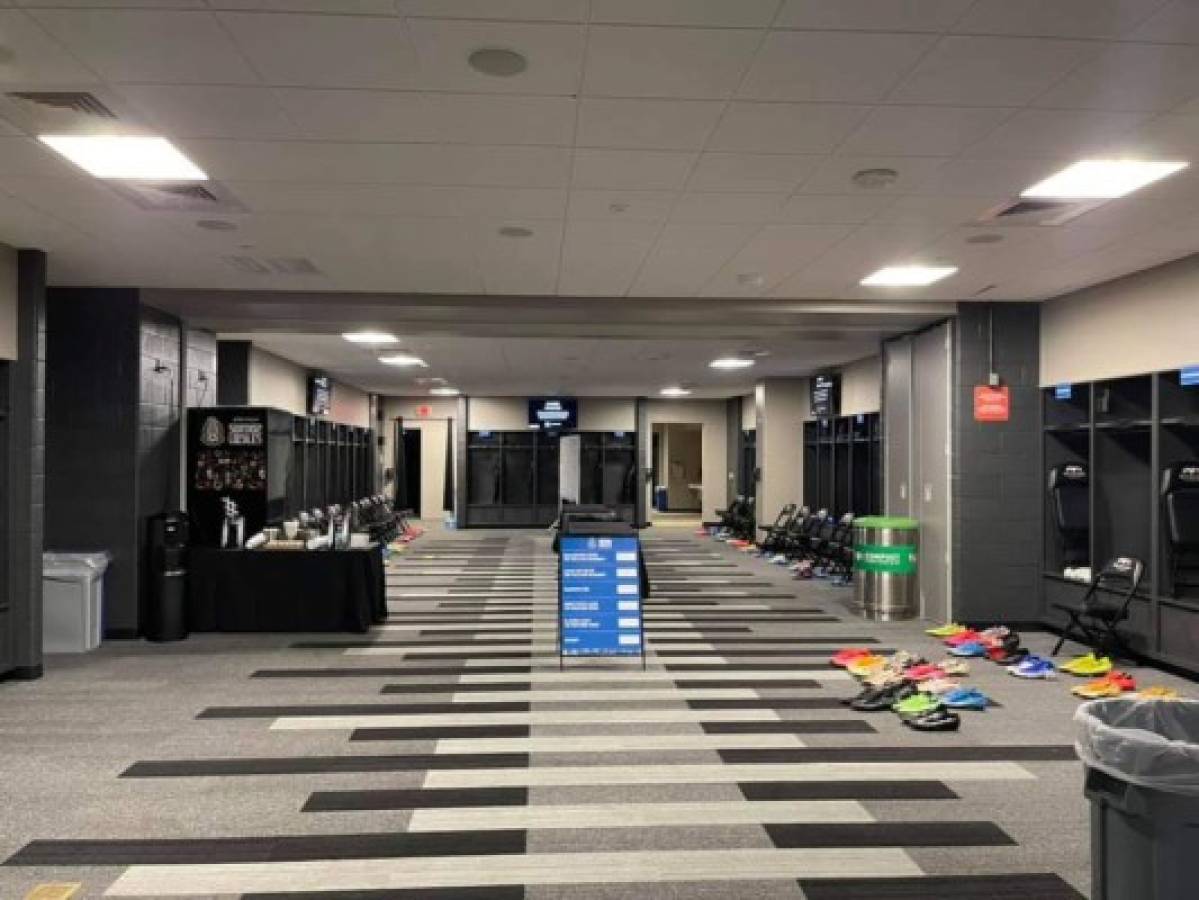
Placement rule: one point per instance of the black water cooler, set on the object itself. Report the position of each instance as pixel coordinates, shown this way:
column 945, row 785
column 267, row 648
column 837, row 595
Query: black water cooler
column 168, row 577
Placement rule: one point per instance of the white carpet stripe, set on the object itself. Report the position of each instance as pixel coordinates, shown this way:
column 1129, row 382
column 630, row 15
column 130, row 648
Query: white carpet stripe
column 547, row 717
column 598, row 696
column 653, row 675
column 638, row 815
column 561, row 776
column 532, row 869
column 619, row 743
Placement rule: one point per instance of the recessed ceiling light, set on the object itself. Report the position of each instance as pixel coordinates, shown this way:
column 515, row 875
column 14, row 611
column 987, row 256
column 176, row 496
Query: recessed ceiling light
column 873, row 179
column 908, row 276
column 125, row 156
column 731, row 362
column 444, row 392
column 1102, row 179
column 216, row 225
column 988, row 238
column 751, row 279
column 515, row 231
column 675, row 392
column 499, row 62
column 371, row 338
column 404, row 360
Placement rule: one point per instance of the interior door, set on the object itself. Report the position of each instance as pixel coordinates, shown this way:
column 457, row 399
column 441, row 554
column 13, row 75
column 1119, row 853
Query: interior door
column 412, row 470
column 931, row 379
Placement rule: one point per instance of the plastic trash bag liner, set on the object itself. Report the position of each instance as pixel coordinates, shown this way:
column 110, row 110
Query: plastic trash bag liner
column 1154, row 744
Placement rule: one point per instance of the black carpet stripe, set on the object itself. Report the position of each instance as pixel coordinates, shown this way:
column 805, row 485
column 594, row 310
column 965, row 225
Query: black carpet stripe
column 290, row 848
column 322, row 765
column 437, row 732
column 744, row 667
column 769, row 703
column 513, row 892
column 415, row 798
column 1012, row 753
column 792, row 726
column 387, row 671
column 943, row 887
column 356, row 709
column 890, row 834
column 846, row 790
column 703, row 683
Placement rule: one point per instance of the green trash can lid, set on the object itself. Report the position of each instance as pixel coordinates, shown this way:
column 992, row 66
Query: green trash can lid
column 899, row 523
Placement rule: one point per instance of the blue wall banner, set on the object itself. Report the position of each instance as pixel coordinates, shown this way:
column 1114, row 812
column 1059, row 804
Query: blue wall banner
column 600, row 596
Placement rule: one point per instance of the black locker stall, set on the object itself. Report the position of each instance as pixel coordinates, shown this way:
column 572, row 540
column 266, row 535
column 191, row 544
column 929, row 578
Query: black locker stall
column 272, row 464
column 843, row 464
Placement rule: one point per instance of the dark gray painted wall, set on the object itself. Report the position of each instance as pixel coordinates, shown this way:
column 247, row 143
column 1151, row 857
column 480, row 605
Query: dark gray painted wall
column 233, row 373
column 22, row 484
column 997, row 509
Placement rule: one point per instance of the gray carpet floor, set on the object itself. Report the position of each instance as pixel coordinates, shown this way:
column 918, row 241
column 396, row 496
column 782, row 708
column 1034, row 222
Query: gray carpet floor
column 358, row 766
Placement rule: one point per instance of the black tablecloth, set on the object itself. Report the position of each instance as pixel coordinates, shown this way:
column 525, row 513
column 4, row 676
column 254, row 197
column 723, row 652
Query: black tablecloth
column 285, row 590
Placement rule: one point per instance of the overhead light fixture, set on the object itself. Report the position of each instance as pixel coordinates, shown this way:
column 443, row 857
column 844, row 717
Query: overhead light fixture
column 499, row 62
column 125, row 156
column 370, row 338
column 731, row 362
column 444, row 392
column 403, row 360
column 908, row 276
column 1102, row 179
column 675, row 392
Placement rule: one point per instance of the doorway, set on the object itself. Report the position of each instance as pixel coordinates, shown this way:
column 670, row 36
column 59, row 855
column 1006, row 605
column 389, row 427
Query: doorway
column 678, row 466
column 408, row 471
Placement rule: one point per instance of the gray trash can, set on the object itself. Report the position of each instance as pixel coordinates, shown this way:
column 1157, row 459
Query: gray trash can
column 73, row 601
column 1142, row 759
column 884, row 565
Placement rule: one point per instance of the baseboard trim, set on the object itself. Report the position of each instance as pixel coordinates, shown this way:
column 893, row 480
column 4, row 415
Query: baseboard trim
column 23, row 673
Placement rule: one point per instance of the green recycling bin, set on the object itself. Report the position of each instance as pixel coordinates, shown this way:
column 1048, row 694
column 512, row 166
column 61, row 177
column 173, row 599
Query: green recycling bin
column 885, row 567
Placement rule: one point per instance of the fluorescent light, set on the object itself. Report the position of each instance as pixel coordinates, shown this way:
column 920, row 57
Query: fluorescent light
column 731, row 362
column 125, row 156
column 1102, row 179
column 908, row 276
column 405, row 360
column 444, row 392
column 675, row 392
column 370, row 337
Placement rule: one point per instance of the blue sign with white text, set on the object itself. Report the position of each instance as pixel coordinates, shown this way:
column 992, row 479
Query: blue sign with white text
column 601, row 596
column 1188, row 376
column 1063, row 391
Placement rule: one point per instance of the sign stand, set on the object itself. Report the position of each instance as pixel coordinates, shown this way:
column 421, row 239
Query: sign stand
column 599, row 595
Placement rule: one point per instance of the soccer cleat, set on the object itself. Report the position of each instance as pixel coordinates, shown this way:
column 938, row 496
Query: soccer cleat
column 923, row 672
column 844, row 657
column 1112, row 685
column 939, row 686
column 1092, row 665
column 1033, row 667
column 1157, row 692
column 1011, row 657
column 969, row 648
column 882, row 698
column 1079, row 662
column 866, row 665
column 955, row 667
column 962, row 637
column 949, row 629
column 937, row 720
column 966, row 698
column 916, row 705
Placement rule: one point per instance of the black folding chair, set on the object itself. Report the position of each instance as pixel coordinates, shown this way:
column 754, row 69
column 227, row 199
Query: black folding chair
column 773, row 533
column 1180, row 500
column 1097, row 623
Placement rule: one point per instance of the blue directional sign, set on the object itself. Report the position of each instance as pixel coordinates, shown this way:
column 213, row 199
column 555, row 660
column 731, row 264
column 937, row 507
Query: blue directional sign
column 601, row 596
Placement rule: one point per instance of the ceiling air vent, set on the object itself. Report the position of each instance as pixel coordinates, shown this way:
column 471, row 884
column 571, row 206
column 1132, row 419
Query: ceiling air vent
column 1037, row 213
column 247, row 265
column 281, row 265
column 178, row 196
column 78, row 103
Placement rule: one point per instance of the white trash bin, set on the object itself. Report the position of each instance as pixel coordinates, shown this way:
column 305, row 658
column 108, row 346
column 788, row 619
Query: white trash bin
column 73, row 601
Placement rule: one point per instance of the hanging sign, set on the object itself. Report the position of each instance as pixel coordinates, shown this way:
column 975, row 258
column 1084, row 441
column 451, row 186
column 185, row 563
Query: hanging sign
column 992, row 404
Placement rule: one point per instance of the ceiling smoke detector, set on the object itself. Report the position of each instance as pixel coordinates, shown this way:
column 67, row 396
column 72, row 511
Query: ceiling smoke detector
column 987, row 238
column 498, row 62
column 515, row 231
column 874, row 179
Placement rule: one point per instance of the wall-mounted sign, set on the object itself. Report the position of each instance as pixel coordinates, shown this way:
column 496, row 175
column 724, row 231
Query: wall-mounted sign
column 423, row 412
column 825, row 396
column 1188, row 376
column 320, row 395
column 1063, row 391
column 992, row 404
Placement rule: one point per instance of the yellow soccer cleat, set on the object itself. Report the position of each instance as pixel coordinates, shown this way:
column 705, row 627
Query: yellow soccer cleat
column 1077, row 661
column 866, row 665
column 1158, row 692
column 1092, row 665
column 949, row 629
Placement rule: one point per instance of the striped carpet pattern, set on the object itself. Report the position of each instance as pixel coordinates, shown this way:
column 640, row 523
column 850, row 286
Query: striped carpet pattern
column 727, row 768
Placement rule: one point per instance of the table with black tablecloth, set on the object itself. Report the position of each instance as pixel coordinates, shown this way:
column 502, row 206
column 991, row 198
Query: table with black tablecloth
column 286, row 590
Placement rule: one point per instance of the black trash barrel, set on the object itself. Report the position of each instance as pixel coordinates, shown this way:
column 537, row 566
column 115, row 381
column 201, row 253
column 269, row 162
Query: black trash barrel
column 1142, row 759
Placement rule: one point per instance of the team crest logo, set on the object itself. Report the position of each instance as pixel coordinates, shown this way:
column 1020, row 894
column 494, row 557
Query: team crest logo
column 212, row 434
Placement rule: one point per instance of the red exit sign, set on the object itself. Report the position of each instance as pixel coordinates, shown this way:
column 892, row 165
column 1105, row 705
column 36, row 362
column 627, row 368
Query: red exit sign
column 992, row 404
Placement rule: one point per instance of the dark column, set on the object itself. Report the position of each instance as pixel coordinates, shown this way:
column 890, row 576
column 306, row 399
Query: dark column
column 459, row 437
column 998, row 507
column 645, row 443
column 22, row 500
column 233, row 373
column 734, row 446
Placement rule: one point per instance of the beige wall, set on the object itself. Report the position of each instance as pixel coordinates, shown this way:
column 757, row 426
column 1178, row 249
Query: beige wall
column 435, row 433
column 8, row 302
column 1144, row 323
column 607, row 414
column 782, row 405
column 749, row 412
column 711, row 414
column 282, row 384
column 512, row 414
column 862, row 386
column 683, row 460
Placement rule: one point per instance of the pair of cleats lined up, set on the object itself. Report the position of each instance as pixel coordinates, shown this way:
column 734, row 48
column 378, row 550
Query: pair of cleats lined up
column 999, row 643
column 924, row 712
column 1088, row 665
column 1033, row 668
column 1113, row 684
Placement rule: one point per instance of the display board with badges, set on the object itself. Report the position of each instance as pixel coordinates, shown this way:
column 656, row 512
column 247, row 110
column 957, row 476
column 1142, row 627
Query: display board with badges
column 600, row 592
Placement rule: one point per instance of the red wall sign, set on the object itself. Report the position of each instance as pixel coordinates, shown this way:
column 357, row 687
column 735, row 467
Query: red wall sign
column 424, row 412
column 992, row 404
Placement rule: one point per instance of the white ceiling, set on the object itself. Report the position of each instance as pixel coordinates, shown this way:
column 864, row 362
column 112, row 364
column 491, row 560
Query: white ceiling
column 654, row 147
